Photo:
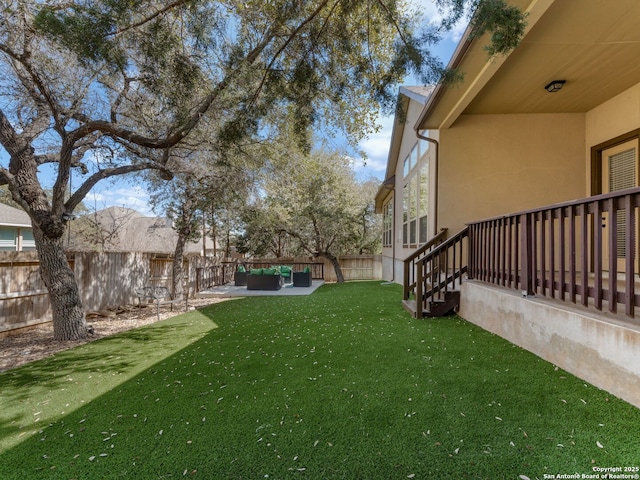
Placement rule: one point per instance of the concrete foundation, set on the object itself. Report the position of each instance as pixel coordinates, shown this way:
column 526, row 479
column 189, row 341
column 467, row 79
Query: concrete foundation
column 601, row 349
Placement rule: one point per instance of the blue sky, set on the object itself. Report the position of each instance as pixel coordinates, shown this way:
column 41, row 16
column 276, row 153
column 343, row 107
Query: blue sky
column 129, row 193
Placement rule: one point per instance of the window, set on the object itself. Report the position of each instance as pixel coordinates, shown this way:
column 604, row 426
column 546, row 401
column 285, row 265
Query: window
column 423, row 201
column 424, row 147
column 415, row 197
column 387, row 224
column 411, row 160
column 8, row 237
column 622, row 175
column 413, row 209
column 405, row 214
column 28, row 242
column 413, row 157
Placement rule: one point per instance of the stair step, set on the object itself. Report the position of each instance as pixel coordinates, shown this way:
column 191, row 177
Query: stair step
column 410, row 306
column 439, row 308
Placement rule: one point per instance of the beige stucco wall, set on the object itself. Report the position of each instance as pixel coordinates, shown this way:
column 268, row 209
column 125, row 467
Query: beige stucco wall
column 409, row 139
column 392, row 265
column 613, row 118
column 497, row 164
column 618, row 116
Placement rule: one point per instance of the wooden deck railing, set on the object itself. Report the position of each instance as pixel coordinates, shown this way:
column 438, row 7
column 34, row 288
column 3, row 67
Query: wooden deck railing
column 583, row 251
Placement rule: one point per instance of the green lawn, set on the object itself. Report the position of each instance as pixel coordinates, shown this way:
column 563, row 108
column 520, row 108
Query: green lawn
column 340, row 384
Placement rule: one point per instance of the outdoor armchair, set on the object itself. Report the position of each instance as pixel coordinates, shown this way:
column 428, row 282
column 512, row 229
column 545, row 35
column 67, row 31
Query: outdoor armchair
column 302, row 279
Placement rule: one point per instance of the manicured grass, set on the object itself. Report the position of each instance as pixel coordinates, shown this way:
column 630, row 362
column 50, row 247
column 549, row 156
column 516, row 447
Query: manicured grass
column 340, row 384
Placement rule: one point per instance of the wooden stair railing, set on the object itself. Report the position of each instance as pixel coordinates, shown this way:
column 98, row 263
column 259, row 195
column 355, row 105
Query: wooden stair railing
column 410, row 268
column 438, row 274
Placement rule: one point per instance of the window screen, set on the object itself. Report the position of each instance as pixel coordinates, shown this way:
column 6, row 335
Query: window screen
column 622, row 174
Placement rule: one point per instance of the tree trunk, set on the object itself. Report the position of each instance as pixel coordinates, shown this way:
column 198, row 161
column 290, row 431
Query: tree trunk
column 336, row 265
column 178, row 274
column 68, row 317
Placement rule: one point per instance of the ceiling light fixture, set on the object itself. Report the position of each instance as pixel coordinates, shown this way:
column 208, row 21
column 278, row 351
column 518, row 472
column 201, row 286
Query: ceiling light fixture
column 555, row 86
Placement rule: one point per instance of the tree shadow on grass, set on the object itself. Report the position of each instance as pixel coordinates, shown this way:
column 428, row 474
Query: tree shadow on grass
column 331, row 387
column 38, row 393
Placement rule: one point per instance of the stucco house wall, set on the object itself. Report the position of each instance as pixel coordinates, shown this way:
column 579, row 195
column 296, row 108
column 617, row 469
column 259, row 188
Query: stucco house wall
column 404, row 141
column 613, row 118
column 497, row 164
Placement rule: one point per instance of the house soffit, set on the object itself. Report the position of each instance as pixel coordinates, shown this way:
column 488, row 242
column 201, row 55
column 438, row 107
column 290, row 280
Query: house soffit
column 592, row 44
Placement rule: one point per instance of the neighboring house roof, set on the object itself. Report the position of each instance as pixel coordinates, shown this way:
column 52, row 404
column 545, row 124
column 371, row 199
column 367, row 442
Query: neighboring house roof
column 592, row 44
column 13, row 217
column 133, row 232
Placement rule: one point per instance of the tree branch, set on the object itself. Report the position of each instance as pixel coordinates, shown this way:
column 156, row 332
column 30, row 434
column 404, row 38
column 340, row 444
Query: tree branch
column 286, row 43
column 90, row 182
column 156, row 14
column 179, row 133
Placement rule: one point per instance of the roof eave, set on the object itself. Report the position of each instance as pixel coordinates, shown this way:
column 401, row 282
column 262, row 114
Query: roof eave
column 474, row 80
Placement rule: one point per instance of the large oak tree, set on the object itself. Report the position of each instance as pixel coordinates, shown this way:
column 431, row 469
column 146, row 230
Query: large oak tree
column 91, row 89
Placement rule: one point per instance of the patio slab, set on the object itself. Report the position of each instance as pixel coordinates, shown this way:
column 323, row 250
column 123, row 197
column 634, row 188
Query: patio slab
column 230, row 290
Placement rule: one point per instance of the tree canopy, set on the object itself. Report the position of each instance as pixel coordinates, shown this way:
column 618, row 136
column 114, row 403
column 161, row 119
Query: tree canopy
column 313, row 206
column 100, row 88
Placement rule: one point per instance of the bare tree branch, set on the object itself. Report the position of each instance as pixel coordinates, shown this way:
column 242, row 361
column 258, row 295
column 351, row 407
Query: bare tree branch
column 90, row 182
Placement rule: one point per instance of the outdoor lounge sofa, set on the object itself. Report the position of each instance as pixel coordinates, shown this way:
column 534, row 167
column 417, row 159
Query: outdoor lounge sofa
column 264, row 279
column 287, row 273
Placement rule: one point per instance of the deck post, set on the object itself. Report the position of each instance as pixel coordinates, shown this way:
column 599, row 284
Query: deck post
column 527, row 232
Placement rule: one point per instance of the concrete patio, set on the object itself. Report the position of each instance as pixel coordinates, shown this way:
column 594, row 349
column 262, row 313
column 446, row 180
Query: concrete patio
column 230, row 290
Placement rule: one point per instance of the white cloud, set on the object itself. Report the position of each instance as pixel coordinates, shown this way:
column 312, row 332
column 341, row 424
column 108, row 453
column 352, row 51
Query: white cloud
column 376, row 148
column 121, row 195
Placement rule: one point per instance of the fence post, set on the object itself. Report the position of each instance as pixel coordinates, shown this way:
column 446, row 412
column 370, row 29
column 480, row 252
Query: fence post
column 527, row 232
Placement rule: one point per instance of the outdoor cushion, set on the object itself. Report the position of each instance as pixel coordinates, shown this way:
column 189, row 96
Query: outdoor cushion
column 241, row 268
column 268, row 271
column 306, row 269
column 285, row 271
column 256, row 271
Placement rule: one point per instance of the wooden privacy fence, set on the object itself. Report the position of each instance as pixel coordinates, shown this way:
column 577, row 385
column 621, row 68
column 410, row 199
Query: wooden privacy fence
column 354, row 267
column 105, row 280
column 108, row 280
column 24, row 299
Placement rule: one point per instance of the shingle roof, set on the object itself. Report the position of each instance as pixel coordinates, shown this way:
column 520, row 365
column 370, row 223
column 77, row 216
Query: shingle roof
column 14, row 217
column 137, row 233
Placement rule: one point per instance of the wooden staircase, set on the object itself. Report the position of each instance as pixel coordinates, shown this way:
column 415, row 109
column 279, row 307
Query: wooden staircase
column 438, row 308
column 433, row 275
